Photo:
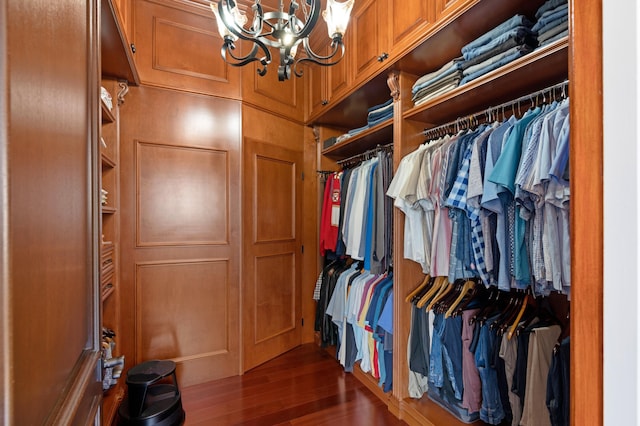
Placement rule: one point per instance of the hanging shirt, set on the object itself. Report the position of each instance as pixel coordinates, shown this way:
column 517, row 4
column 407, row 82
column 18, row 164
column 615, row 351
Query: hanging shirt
column 330, row 217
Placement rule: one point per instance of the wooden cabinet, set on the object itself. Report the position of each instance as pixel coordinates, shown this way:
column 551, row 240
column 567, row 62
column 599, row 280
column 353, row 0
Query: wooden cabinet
column 368, row 37
column 455, row 24
column 118, row 71
column 325, row 84
column 109, row 262
column 178, row 47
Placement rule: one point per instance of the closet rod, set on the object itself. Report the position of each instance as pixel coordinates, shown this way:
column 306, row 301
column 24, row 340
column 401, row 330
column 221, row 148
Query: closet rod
column 462, row 123
column 365, row 155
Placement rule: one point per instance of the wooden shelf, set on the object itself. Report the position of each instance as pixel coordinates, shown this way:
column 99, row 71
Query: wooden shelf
column 106, row 292
column 107, row 162
column 111, row 399
column 107, row 115
column 423, row 411
column 438, row 45
column 108, row 210
column 116, row 55
column 542, row 67
column 381, row 134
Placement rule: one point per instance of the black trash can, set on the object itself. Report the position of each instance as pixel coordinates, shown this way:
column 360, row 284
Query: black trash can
column 153, row 397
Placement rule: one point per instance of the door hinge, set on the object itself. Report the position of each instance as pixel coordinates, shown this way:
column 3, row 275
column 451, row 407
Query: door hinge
column 302, row 321
column 302, row 175
column 302, row 249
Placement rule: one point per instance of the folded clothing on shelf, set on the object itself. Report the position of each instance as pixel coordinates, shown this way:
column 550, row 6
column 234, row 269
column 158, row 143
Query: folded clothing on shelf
column 106, row 97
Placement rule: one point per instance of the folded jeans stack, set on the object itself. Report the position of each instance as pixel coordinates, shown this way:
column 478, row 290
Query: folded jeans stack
column 553, row 21
column 375, row 115
column 508, row 41
column 440, row 81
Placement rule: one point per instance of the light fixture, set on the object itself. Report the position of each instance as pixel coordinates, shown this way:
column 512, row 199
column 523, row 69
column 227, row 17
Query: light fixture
column 282, row 31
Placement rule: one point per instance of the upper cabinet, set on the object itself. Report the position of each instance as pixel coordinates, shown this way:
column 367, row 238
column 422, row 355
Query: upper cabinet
column 325, row 84
column 367, row 37
column 116, row 50
column 419, row 37
column 178, row 46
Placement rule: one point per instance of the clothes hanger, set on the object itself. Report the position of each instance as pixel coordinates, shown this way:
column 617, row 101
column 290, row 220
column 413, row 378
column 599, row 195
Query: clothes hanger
column 466, row 288
column 444, row 290
column 489, row 304
column 477, row 293
column 445, row 301
column 423, row 290
column 418, row 289
column 437, row 285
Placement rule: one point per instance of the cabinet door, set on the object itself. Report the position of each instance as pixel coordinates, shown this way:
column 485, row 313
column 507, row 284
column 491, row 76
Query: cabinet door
column 316, row 88
column 409, row 21
column 445, row 8
column 368, row 37
column 285, row 98
column 338, row 77
column 178, row 47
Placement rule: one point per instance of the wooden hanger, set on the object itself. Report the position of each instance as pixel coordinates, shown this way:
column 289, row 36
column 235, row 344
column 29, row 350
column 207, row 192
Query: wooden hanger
column 418, row 289
column 466, row 288
column 442, row 292
column 438, row 283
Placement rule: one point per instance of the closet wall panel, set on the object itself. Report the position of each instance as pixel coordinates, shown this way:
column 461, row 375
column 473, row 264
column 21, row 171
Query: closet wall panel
column 187, row 179
column 178, row 46
column 48, row 285
column 283, row 98
column 180, row 162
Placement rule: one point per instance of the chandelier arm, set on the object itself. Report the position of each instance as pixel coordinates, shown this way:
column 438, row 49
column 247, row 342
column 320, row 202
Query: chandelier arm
column 308, row 26
column 322, row 60
column 240, row 31
column 228, row 47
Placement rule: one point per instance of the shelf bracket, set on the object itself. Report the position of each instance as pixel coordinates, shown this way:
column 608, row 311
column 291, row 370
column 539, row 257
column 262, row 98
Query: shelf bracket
column 393, row 81
column 124, row 89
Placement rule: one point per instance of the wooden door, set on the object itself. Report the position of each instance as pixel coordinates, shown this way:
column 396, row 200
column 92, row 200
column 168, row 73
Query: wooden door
column 272, row 248
column 180, row 176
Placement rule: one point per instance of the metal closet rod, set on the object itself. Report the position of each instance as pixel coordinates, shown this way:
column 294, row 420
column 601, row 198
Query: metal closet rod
column 365, row 155
column 471, row 120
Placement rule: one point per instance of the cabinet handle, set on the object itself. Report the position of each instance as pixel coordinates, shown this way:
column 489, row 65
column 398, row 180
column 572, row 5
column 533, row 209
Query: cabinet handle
column 324, row 102
column 382, row 57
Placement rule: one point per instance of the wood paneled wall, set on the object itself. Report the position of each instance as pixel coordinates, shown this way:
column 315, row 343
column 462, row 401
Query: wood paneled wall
column 48, row 116
column 180, row 240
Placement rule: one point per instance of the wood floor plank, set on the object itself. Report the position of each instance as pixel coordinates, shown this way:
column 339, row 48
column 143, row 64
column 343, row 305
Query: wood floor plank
column 303, row 387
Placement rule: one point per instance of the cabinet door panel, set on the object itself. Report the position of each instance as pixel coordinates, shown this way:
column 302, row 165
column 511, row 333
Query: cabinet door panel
column 368, row 37
column 408, row 18
column 179, row 47
column 284, row 98
column 315, row 79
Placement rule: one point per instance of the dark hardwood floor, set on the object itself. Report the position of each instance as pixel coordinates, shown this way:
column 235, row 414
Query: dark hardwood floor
column 305, row 386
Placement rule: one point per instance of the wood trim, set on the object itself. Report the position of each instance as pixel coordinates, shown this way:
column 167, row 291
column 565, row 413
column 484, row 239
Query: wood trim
column 5, row 294
column 585, row 88
column 80, row 392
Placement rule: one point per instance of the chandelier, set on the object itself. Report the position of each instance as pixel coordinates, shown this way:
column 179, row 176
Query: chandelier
column 283, row 31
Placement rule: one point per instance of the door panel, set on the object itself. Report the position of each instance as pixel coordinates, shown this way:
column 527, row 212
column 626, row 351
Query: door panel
column 271, row 293
column 180, row 165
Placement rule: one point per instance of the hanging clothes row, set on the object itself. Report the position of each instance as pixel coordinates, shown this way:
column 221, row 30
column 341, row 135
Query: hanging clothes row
column 486, row 209
column 356, row 218
column 498, row 356
column 355, row 313
column 355, row 289
column 492, row 201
